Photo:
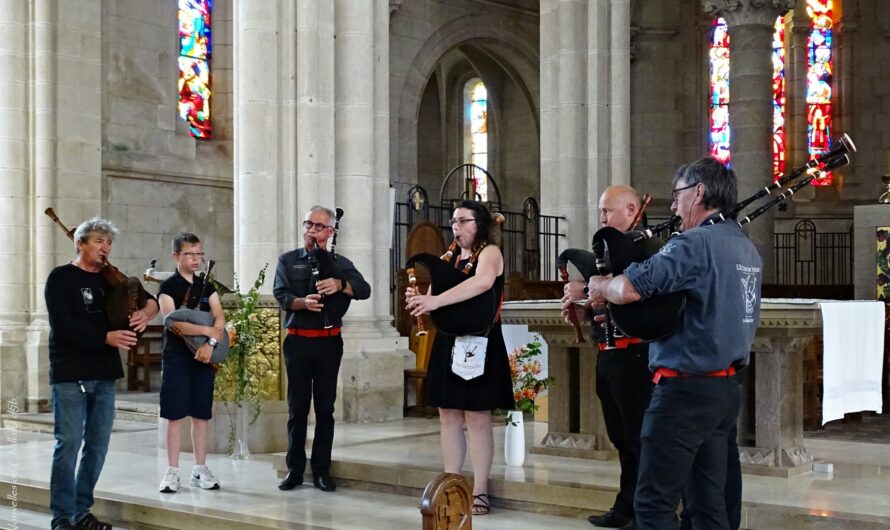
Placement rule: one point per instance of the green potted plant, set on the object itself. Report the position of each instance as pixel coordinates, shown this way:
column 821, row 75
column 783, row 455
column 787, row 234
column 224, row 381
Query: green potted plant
column 246, row 328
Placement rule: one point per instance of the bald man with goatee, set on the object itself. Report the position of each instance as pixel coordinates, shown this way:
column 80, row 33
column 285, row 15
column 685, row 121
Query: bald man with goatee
column 623, row 381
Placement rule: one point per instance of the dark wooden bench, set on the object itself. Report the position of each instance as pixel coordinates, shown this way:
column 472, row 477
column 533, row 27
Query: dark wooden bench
column 145, row 355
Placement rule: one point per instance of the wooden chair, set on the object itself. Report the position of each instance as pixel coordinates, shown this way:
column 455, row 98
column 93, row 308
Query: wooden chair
column 145, row 355
column 423, row 237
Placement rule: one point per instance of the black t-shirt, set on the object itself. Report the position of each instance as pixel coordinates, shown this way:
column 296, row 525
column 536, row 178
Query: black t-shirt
column 176, row 287
column 75, row 302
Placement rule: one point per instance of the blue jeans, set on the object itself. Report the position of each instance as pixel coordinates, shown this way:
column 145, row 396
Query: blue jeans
column 84, row 414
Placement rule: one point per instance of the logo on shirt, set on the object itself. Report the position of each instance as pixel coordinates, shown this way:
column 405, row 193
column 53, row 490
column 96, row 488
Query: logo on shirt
column 87, row 295
column 667, row 248
column 749, row 290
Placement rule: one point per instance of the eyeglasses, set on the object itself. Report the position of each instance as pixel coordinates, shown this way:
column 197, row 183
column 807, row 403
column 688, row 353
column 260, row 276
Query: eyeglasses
column 308, row 225
column 193, row 254
column 677, row 191
column 461, row 222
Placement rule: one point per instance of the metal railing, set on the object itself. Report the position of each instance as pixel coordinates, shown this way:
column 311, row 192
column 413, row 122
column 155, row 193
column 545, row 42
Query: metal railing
column 530, row 241
column 808, row 257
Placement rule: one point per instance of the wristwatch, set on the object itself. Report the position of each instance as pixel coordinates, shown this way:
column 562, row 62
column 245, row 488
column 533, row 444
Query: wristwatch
column 212, row 342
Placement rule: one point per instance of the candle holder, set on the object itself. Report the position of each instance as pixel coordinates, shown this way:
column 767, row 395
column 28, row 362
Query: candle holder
column 885, row 197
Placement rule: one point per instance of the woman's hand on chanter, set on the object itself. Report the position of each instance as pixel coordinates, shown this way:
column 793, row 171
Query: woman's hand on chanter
column 419, row 303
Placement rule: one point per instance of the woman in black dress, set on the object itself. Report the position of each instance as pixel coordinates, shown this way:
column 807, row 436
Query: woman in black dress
column 472, row 400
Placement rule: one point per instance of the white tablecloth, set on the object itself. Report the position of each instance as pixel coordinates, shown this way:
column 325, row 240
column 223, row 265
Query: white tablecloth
column 853, row 337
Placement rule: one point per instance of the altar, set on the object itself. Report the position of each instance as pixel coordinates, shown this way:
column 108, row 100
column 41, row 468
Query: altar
column 575, row 424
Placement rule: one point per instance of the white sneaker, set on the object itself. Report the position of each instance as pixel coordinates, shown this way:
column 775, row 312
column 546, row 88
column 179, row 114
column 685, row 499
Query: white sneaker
column 170, row 482
column 203, row 478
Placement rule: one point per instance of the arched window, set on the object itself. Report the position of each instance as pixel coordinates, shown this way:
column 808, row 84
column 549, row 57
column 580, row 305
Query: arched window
column 779, row 98
column 820, row 66
column 476, row 131
column 194, row 65
column 719, row 96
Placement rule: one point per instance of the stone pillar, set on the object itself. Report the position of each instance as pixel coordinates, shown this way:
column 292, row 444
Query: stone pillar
column 15, row 221
column 321, row 138
column 844, row 96
column 50, row 156
column 750, row 24
column 574, row 169
column 619, row 78
column 374, row 357
column 585, row 131
column 265, row 214
column 795, row 89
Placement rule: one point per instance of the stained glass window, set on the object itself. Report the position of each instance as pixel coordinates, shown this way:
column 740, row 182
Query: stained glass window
column 194, row 65
column 476, row 117
column 719, row 100
column 779, row 98
column 820, row 67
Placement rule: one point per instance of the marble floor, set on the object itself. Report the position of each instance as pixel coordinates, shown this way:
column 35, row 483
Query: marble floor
column 856, row 491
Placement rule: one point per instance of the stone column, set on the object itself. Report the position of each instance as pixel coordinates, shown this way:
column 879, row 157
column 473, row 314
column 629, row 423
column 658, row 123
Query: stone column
column 750, row 24
column 795, row 89
column 319, row 135
column 265, row 214
column 50, row 156
column 619, row 78
column 844, row 95
column 572, row 78
column 585, row 131
column 375, row 356
column 15, row 221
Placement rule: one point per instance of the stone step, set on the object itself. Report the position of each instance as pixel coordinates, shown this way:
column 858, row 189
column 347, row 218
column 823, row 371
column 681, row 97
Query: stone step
column 527, row 492
column 43, row 422
column 125, row 512
column 136, row 411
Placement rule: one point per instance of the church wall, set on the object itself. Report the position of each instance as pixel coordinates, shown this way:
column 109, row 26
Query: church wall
column 157, row 179
column 520, row 159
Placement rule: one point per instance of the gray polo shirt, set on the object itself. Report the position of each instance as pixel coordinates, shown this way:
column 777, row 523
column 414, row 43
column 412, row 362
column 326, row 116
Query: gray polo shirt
column 721, row 272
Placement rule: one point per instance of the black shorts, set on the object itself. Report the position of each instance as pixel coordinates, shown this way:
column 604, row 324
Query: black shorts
column 186, row 387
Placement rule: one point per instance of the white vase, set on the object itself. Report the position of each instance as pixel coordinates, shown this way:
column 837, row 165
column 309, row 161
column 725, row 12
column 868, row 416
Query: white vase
column 514, row 439
column 240, row 450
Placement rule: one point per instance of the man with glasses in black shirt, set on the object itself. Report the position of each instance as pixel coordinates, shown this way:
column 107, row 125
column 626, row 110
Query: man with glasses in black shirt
column 312, row 352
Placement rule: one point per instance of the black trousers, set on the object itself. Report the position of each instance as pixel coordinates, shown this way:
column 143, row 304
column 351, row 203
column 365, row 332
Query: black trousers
column 685, row 439
column 624, row 386
column 733, row 487
column 312, row 368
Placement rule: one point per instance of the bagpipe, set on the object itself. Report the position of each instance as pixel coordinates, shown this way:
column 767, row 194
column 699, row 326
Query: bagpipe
column 190, row 312
column 474, row 316
column 657, row 317
column 323, row 265
column 127, row 293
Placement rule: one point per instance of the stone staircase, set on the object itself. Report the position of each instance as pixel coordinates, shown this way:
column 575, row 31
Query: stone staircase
column 130, row 416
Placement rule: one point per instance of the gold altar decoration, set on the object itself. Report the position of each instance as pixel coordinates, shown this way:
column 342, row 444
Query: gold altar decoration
column 263, row 370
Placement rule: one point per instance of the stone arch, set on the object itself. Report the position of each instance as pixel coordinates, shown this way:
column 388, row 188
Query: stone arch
column 513, row 49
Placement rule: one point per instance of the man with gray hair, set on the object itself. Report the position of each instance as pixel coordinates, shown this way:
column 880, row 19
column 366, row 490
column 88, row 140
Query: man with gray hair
column 695, row 403
column 84, row 364
column 315, row 301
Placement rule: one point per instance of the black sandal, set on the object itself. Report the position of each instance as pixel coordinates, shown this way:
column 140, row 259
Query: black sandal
column 481, row 504
column 90, row 522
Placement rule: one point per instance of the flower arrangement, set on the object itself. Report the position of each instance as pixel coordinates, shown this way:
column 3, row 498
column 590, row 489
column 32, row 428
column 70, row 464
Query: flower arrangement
column 525, row 370
column 245, row 328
